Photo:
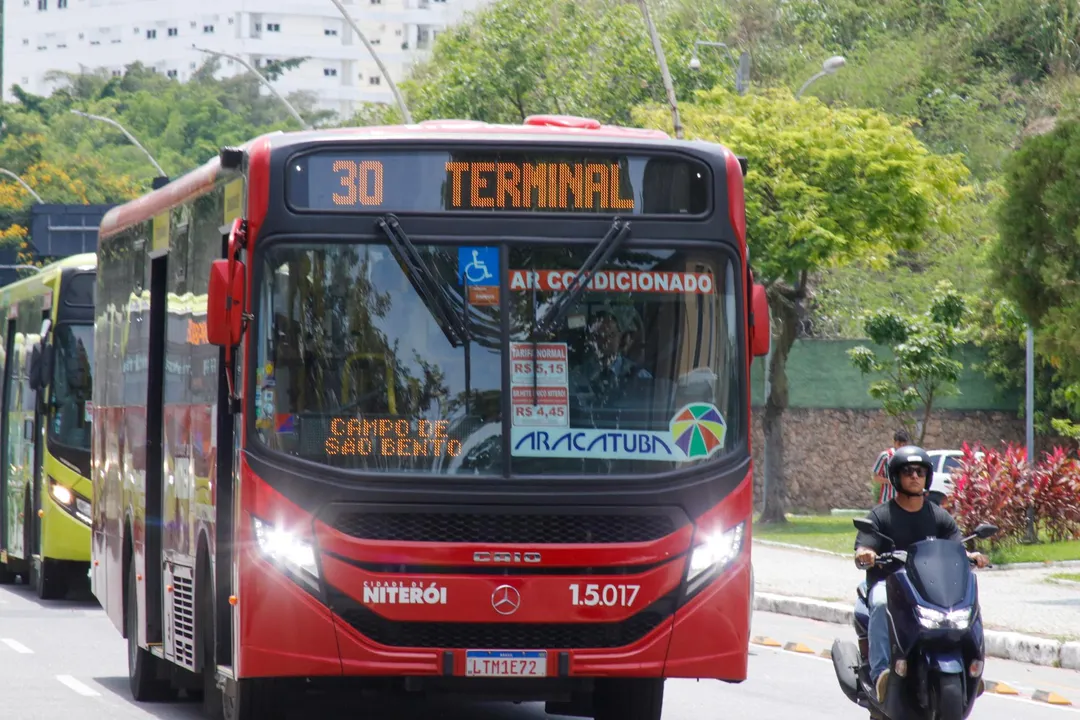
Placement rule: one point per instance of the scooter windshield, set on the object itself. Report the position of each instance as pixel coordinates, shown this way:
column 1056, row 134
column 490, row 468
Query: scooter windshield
column 940, row 571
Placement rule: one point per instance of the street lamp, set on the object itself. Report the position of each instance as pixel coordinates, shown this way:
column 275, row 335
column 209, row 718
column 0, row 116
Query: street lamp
column 129, row 136
column 261, row 78
column 742, row 75
column 22, row 182
column 382, row 68
column 829, row 67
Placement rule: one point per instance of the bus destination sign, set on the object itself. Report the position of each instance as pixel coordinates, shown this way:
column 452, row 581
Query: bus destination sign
column 439, row 181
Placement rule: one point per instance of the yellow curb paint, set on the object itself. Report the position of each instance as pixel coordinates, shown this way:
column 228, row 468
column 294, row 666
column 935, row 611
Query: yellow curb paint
column 1050, row 698
column 1000, row 688
column 767, row 642
column 826, row 654
column 799, row 648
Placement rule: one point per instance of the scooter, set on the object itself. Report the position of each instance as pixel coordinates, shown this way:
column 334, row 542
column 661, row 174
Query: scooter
column 935, row 624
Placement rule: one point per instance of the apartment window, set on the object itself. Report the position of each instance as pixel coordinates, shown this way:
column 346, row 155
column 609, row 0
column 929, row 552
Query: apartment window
column 42, row 4
column 26, row 41
column 374, row 80
column 376, row 41
column 61, row 4
column 171, row 73
column 329, row 32
column 330, row 72
column 376, row 2
column 151, row 34
column 273, row 27
column 207, row 29
column 173, row 32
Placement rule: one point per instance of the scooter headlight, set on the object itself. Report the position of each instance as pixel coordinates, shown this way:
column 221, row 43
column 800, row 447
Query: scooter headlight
column 938, row 620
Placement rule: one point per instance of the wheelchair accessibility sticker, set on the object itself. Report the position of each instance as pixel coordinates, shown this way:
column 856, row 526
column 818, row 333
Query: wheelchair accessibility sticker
column 478, row 270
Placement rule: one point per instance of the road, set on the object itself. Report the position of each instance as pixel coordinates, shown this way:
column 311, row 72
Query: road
column 64, row 660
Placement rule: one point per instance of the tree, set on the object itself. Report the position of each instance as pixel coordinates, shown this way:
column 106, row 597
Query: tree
column 582, row 57
column 825, row 186
column 923, row 365
column 1036, row 257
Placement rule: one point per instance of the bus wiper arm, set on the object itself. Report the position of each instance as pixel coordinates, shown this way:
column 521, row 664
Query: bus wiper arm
column 424, row 279
column 603, row 251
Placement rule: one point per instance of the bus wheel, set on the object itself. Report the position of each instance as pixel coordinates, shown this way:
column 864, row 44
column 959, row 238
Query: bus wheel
column 252, row 699
column 6, row 576
column 50, row 580
column 142, row 665
column 628, row 699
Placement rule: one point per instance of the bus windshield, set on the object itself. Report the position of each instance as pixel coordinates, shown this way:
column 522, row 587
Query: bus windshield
column 356, row 370
column 72, row 385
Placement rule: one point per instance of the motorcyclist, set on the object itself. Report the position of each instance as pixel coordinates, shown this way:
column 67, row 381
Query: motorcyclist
column 906, row 519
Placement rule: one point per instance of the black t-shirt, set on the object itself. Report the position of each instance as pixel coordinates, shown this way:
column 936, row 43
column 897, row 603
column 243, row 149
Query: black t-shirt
column 905, row 528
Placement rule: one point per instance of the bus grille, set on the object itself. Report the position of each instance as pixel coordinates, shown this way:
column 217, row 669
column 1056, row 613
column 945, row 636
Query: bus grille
column 535, row 529
column 501, row 635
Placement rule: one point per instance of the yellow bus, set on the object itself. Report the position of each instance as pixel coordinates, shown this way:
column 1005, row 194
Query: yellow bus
column 46, row 353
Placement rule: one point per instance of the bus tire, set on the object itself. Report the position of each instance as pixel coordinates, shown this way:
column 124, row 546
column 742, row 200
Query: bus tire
column 628, row 699
column 212, row 700
column 252, row 699
column 143, row 678
column 51, row 580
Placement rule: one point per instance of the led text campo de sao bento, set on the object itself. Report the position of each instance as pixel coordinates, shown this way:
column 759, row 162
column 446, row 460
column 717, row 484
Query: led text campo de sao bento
column 448, row 407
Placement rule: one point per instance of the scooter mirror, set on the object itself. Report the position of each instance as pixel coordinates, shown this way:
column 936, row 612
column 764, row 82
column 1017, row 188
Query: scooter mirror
column 985, row 531
column 864, row 525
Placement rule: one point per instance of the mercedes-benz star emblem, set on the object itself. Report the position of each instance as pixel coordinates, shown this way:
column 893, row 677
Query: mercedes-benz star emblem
column 506, row 600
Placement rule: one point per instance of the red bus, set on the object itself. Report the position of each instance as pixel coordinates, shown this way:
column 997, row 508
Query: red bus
column 444, row 408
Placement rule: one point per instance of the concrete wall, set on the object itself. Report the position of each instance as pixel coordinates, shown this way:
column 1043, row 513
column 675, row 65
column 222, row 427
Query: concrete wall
column 833, row 430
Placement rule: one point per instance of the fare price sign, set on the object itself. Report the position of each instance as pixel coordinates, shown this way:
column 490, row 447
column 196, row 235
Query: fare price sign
column 549, row 404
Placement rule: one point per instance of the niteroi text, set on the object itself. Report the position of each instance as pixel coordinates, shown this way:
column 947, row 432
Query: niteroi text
column 391, row 438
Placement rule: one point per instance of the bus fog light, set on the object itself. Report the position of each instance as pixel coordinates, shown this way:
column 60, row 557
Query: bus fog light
column 286, row 549
column 716, row 552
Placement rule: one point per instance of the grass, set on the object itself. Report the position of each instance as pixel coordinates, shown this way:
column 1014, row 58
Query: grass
column 1068, row 577
column 825, row 532
column 837, row 534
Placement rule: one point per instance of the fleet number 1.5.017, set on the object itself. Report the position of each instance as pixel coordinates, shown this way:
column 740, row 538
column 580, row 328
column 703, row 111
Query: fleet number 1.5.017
column 606, row 595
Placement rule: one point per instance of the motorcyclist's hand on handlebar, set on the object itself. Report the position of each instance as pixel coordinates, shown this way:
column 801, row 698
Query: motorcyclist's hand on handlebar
column 865, row 557
column 979, row 559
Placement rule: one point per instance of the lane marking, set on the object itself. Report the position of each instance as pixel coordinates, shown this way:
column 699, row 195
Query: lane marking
column 17, row 646
column 77, row 686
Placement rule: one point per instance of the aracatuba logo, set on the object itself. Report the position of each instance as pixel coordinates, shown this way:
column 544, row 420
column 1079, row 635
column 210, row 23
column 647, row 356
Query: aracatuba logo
column 397, row 592
column 696, row 431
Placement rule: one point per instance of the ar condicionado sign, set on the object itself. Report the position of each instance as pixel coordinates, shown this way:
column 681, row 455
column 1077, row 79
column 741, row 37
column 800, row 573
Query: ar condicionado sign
column 390, row 438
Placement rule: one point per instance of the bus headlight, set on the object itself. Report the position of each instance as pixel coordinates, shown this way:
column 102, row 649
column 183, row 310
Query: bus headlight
column 71, row 501
column 717, row 550
column 937, row 620
column 287, row 551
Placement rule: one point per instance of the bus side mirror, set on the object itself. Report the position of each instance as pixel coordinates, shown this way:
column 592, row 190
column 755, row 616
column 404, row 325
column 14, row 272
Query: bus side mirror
column 761, row 327
column 41, row 362
column 225, row 303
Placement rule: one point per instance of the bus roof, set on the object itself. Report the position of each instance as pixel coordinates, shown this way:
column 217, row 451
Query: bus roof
column 535, row 128
column 34, row 284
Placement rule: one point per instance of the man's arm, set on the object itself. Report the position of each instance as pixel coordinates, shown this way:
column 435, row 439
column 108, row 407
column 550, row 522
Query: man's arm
column 867, row 544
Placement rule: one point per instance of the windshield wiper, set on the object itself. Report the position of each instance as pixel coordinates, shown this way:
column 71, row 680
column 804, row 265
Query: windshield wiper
column 614, row 238
column 423, row 279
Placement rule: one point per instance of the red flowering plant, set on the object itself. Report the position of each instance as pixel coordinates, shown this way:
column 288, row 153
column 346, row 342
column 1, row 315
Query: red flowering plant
column 989, row 486
column 995, row 486
column 1056, row 495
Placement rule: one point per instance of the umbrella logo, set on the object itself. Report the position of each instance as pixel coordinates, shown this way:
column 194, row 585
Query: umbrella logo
column 698, row 429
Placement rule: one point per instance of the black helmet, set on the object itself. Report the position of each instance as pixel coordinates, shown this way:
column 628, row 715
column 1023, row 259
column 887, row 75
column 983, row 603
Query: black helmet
column 909, row 455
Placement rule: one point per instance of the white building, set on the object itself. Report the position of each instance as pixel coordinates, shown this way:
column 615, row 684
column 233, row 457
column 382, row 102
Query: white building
column 68, row 35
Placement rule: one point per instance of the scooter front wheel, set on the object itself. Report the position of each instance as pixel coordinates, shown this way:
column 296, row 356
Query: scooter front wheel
column 950, row 698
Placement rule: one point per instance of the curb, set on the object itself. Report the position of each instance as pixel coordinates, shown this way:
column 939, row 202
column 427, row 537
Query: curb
column 990, row 686
column 1005, row 645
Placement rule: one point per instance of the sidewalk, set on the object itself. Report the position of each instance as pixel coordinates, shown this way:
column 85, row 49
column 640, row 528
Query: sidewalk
column 1013, row 600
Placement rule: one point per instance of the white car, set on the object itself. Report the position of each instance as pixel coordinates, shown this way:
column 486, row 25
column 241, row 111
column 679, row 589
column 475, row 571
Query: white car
column 945, row 462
